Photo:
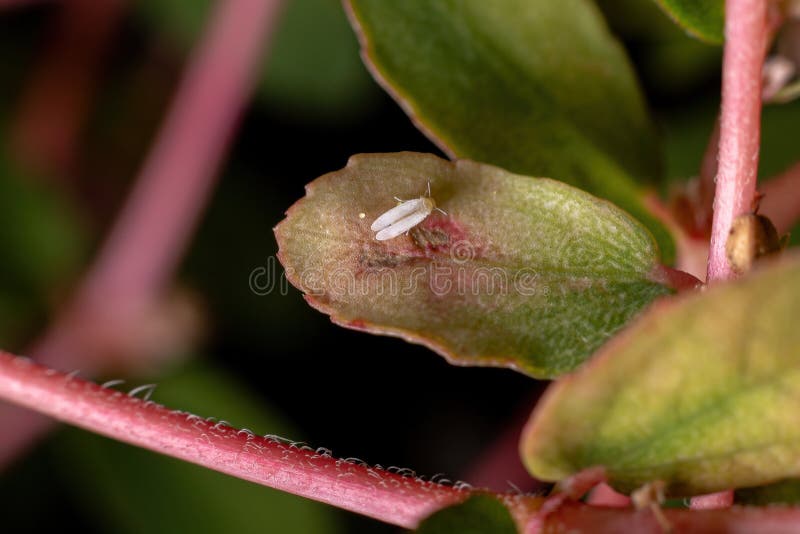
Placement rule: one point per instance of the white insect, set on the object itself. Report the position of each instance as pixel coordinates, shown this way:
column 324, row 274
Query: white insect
column 403, row 217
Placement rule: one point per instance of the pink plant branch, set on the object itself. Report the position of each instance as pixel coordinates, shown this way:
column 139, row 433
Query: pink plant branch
column 383, row 495
column 604, row 495
column 745, row 43
column 371, row 491
column 573, row 517
column 57, row 98
column 153, row 229
column 746, row 31
column 500, row 467
column 781, row 202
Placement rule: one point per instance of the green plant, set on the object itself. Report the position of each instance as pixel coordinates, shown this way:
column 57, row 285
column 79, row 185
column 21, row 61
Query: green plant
column 553, row 255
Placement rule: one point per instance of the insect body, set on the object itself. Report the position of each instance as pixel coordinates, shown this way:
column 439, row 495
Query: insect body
column 403, row 217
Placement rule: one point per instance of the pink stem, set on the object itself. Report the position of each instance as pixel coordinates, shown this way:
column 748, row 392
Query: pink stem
column 674, row 278
column 745, row 42
column 781, row 202
column 57, row 98
column 153, row 229
column 604, row 495
column 373, row 492
column 499, row 467
column 400, row 500
column 746, row 29
column 574, row 517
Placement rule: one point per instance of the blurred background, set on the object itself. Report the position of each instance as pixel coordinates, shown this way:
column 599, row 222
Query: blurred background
column 84, row 88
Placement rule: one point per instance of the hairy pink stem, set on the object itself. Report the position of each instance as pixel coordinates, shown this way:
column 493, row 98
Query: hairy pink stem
column 152, row 231
column 400, row 500
column 745, row 42
column 781, row 202
column 746, row 29
column 373, row 492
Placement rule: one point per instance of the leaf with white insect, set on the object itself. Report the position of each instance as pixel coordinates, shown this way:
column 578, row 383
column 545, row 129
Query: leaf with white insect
column 519, row 272
column 538, row 87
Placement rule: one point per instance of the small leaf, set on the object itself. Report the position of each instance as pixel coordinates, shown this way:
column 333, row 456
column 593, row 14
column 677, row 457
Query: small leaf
column 525, row 273
column 702, row 393
column 704, row 19
column 534, row 86
column 480, row 514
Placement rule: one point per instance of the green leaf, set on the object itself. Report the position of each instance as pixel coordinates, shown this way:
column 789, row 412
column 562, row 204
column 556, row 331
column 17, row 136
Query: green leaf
column 784, row 492
column 522, row 272
column 686, row 134
column 312, row 68
column 480, row 514
column 42, row 243
column 669, row 61
column 534, row 86
column 704, row 19
column 132, row 490
column 702, row 393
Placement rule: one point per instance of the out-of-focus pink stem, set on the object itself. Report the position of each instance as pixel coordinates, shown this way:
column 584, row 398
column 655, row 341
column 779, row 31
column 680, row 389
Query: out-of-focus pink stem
column 781, row 202
column 745, row 42
column 499, row 467
column 604, row 495
column 152, row 231
column 56, row 99
column 373, row 492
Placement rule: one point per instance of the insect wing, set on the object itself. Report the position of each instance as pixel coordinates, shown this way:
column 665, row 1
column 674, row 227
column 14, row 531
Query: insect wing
column 397, row 213
column 403, row 225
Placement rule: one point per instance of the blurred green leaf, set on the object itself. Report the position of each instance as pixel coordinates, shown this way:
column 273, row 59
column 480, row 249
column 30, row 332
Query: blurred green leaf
column 522, row 272
column 480, row 514
column 704, row 19
column 42, row 243
column 668, row 60
column 686, row 133
column 131, row 490
column 312, row 68
column 701, row 393
column 537, row 87
column 784, row 492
